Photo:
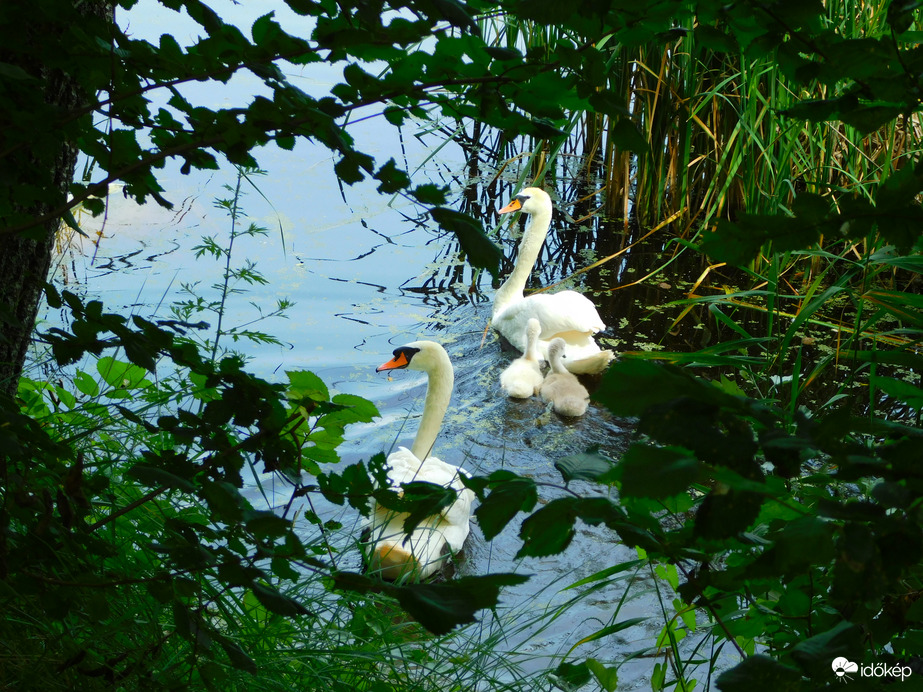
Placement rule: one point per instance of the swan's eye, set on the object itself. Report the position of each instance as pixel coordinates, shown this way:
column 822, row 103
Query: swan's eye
column 408, row 352
column 402, row 358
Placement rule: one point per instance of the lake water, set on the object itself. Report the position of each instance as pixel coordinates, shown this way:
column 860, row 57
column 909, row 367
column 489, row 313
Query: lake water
column 368, row 273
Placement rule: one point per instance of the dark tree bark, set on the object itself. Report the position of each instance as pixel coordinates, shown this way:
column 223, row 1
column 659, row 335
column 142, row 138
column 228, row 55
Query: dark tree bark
column 24, row 265
column 38, row 156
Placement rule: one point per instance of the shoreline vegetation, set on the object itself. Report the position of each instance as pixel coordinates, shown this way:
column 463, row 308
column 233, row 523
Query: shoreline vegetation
column 753, row 169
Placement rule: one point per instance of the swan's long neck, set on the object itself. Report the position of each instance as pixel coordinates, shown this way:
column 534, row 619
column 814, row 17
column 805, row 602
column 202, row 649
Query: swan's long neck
column 557, row 362
column 438, row 394
column 529, row 248
column 532, row 352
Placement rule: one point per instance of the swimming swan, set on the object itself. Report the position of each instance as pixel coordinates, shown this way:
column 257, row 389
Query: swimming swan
column 421, row 553
column 567, row 396
column 523, row 377
column 567, row 315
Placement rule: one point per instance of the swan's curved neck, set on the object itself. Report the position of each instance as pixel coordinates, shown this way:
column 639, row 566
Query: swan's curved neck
column 438, row 394
column 532, row 352
column 529, row 248
column 557, row 363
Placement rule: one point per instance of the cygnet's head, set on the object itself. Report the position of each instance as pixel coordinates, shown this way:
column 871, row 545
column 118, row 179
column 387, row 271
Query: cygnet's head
column 530, row 200
column 556, row 350
column 533, row 329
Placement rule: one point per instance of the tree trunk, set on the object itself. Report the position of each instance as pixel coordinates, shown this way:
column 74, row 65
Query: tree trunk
column 38, row 157
column 24, row 264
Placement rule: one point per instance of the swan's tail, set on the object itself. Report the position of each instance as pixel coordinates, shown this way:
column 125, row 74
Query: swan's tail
column 519, row 390
column 392, row 561
column 591, row 365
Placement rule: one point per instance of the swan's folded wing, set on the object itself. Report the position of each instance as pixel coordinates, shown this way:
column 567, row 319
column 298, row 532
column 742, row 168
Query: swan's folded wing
column 403, row 467
column 567, row 311
column 394, row 554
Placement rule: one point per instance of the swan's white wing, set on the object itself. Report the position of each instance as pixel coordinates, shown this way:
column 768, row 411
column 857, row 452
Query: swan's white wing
column 423, row 552
column 403, row 467
column 558, row 313
column 567, row 315
column 395, row 554
column 457, row 517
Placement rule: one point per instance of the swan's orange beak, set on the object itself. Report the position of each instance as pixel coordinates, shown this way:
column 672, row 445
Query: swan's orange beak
column 515, row 205
column 399, row 361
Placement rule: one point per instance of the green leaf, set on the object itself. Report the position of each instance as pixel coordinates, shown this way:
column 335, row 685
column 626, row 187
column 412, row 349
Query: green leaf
column 353, row 485
column 8, row 71
column 276, row 602
column 815, row 654
column 421, row 500
column 86, row 384
column 570, row 677
column 869, row 117
column 303, row 384
column 359, row 583
column 589, row 466
column 725, row 513
column 442, row 607
column 607, row 677
column 626, row 135
column 738, row 242
column 502, row 53
column 899, row 389
column 630, row 386
column 225, row 500
column 358, row 410
column 264, row 28
column 430, row 194
column 392, row 178
column 656, row 472
column 803, row 542
column 550, row 530
column 760, row 673
column 268, row 525
column 713, row 39
column 456, row 13
column 480, row 251
column 155, row 478
column 238, row 657
column 505, row 500
column 282, row 568
column 119, row 374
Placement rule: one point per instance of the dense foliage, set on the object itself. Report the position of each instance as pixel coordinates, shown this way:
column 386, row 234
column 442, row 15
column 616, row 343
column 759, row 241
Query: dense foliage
column 129, row 556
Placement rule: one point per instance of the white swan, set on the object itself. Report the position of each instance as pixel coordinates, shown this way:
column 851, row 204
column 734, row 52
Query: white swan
column 523, row 377
column 567, row 396
column 390, row 551
column 566, row 315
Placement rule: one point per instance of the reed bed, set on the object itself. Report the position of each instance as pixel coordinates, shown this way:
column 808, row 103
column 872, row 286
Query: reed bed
column 720, row 141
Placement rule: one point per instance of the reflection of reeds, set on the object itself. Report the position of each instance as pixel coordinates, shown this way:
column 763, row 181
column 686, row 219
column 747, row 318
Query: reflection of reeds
column 68, row 241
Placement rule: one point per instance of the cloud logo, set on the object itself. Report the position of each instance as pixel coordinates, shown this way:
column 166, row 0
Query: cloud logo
column 843, row 666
